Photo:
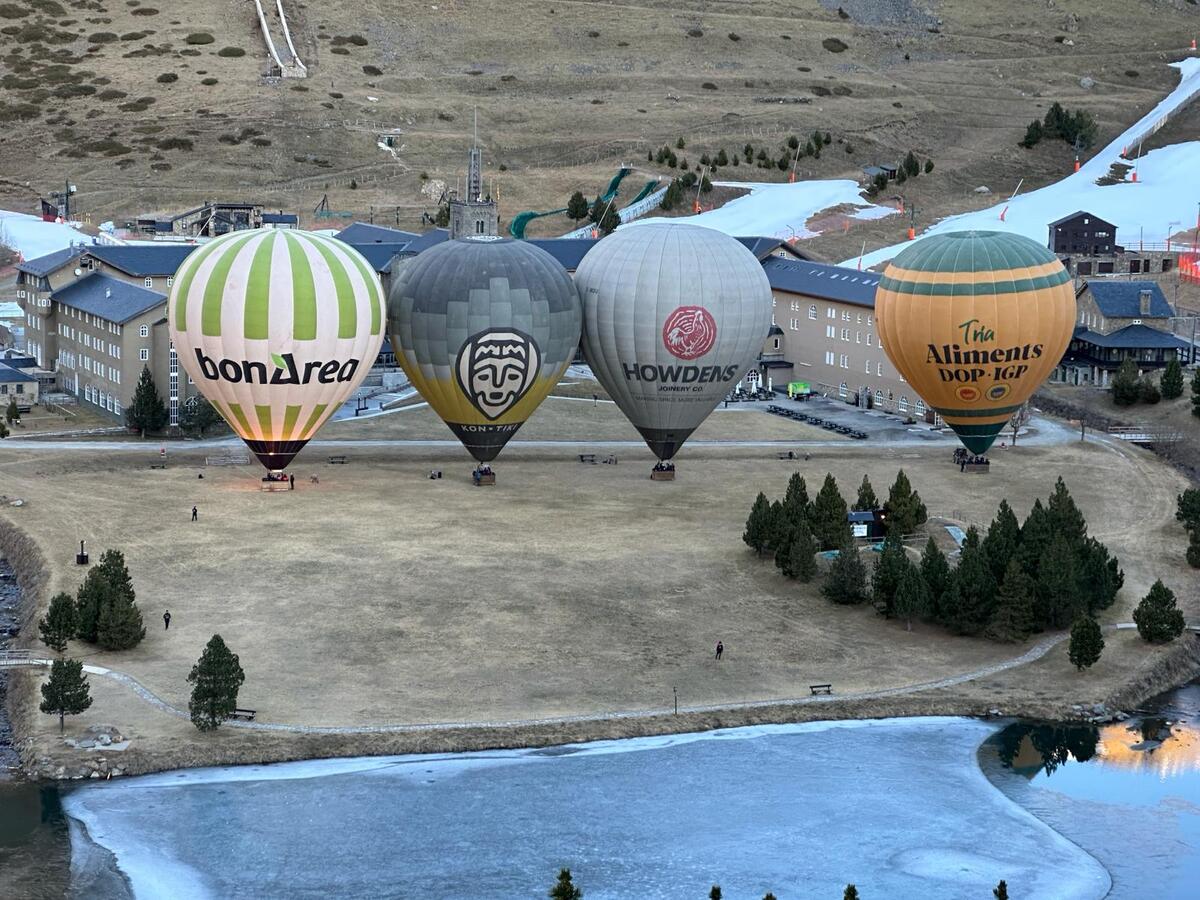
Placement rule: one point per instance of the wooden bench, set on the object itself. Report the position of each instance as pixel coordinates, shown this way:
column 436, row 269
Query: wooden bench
column 337, row 460
column 587, row 458
column 661, row 475
column 246, row 715
column 821, row 688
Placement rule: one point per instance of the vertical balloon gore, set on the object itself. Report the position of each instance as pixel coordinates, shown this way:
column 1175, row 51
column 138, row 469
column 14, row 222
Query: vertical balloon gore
column 484, row 328
column 975, row 321
column 276, row 329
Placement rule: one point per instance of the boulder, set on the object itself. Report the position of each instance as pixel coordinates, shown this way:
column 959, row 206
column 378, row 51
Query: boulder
column 1087, row 82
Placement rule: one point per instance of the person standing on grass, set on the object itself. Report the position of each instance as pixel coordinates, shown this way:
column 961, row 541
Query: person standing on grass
column 166, row 620
column 195, row 514
column 720, row 649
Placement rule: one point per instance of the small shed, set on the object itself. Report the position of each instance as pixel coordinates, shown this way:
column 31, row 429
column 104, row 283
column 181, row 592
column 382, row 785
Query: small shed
column 866, row 524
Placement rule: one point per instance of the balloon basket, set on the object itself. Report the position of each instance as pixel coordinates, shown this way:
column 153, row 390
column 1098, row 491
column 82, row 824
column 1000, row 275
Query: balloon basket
column 275, row 481
column 483, row 476
column 665, row 472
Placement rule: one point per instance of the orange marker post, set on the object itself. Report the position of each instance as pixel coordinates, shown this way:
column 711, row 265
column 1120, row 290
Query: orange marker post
column 912, row 233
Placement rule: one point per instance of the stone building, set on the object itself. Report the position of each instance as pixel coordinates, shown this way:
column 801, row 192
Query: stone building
column 473, row 213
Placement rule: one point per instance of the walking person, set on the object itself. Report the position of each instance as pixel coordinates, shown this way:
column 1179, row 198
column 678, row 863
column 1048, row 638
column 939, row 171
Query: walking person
column 291, row 482
column 720, row 649
column 195, row 514
column 166, row 620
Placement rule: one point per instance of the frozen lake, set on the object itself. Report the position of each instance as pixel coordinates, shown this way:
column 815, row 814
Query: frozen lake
column 900, row 807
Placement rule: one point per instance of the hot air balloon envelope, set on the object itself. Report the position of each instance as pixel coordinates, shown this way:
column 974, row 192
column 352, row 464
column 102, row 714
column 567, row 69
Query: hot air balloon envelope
column 484, row 327
column 674, row 315
column 975, row 321
column 277, row 329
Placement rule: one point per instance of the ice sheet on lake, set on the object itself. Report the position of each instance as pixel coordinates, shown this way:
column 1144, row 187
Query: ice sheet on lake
column 898, row 806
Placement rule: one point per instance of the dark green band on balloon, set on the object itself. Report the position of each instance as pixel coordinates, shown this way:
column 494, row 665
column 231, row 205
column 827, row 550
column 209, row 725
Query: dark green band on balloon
column 977, row 413
column 981, row 288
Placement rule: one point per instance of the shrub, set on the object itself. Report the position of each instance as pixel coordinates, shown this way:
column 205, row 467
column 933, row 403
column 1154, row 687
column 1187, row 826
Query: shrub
column 111, row 94
column 208, row 81
column 372, row 70
column 102, row 37
column 1157, row 619
column 835, row 45
column 709, row 86
column 167, row 78
column 340, row 51
column 695, row 32
column 175, row 143
column 733, row 36
column 146, row 11
column 261, row 142
column 231, row 52
column 198, row 37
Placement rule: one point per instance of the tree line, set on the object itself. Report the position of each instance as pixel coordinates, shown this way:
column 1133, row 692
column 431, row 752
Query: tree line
column 1070, row 126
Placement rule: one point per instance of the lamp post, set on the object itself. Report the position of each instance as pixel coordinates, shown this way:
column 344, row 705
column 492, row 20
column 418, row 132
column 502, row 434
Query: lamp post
column 675, row 694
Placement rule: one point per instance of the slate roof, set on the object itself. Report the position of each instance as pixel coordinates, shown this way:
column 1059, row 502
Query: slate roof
column 280, row 218
column 821, row 280
column 108, row 297
column 1122, row 299
column 430, row 238
column 379, row 255
column 9, row 375
column 568, row 251
column 44, row 265
column 362, row 233
column 145, row 260
column 1081, row 212
column 1133, row 337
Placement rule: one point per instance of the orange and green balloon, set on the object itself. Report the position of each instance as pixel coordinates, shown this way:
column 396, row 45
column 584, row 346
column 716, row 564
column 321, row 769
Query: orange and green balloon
column 975, row 321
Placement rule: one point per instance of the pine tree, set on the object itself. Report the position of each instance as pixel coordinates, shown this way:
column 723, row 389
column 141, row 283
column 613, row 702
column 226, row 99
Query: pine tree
column 829, row 524
column 912, row 600
column 722, row 158
column 671, row 199
column 1193, row 550
column 1171, row 383
column 971, row 540
column 1036, row 534
column 885, row 580
column 705, row 185
column 1196, row 392
column 59, row 624
column 120, row 626
column 1086, row 643
column 1058, row 597
column 1157, row 619
column 783, row 552
column 795, row 500
column 215, row 681
column 851, row 893
column 67, row 692
column 866, row 501
column 577, row 207
column 802, row 562
column 564, row 888
column 1000, row 891
column 1125, row 384
column 1002, row 539
column 197, row 415
column 974, row 592
column 596, row 210
column 112, row 567
column 928, row 166
column 715, row 893
column 779, row 529
column 1187, row 508
column 11, row 413
column 1100, row 576
column 755, row 535
column 911, row 166
column 146, row 412
column 94, row 595
column 846, row 582
column 1033, row 134
column 904, row 510
column 935, row 571
column 680, row 144
column 610, row 221
column 1012, row 619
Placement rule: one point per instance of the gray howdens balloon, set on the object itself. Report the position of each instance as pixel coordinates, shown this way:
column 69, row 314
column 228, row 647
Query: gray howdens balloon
column 673, row 317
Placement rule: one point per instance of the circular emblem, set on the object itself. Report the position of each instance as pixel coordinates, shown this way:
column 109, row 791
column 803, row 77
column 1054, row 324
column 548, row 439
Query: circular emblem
column 689, row 332
column 967, row 393
column 998, row 391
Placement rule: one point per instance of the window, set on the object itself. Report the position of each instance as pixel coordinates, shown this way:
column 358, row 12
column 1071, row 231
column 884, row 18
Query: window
column 870, row 339
column 879, row 398
column 144, row 331
column 831, row 332
column 773, row 303
column 117, row 406
column 868, row 320
column 794, row 324
column 144, row 355
column 795, row 306
column 844, row 362
column 903, row 404
column 812, row 311
column 879, row 369
column 149, row 282
column 859, row 319
column 845, row 334
column 845, row 316
column 858, row 337
column 829, row 357
column 830, row 312
column 920, row 407
column 868, row 367
column 842, row 389
column 170, row 280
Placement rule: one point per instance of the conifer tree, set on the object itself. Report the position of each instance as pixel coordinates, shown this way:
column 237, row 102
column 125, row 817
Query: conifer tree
column 828, row 519
column 1086, row 643
column 904, row 510
column 1000, row 891
column 1157, row 619
column 1012, row 619
column 1100, row 576
column 795, row 499
column 851, row 893
column 1196, row 392
column 885, row 580
column 59, row 624
column 610, row 220
column 758, row 524
column 146, row 412
column 802, row 562
column 1036, row 534
column 783, row 552
column 911, row 166
column 973, row 591
column 1193, row 550
column 215, row 679
column 577, row 207
column 1058, row 597
column 912, row 600
column 564, row 888
column 1171, row 383
column 715, row 893
column 67, row 692
column 1187, row 508
column 11, row 413
column 94, row 595
column 1124, row 385
column 971, row 540
column 120, row 626
column 116, row 573
column 1033, row 134
column 867, row 500
column 1002, row 539
column 779, row 529
column 935, row 571
column 846, row 582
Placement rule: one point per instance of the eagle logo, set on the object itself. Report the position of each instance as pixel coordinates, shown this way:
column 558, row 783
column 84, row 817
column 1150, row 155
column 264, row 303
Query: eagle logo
column 689, row 332
column 496, row 368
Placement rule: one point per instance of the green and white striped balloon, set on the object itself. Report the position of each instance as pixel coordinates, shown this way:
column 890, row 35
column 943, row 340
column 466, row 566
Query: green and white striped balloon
column 277, row 329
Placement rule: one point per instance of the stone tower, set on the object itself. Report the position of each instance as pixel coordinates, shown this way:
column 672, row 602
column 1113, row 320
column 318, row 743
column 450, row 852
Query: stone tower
column 473, row 213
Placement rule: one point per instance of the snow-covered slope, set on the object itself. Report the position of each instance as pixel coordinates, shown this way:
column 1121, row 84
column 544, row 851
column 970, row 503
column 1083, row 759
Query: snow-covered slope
column 31, row 237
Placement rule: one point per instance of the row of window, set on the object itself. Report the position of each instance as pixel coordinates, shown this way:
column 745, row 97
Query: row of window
column 883, row 401
column 103, row 399
column 830, row 312
column 18, row 388
column 831, row 332
column 34, row 322
column 842, row 361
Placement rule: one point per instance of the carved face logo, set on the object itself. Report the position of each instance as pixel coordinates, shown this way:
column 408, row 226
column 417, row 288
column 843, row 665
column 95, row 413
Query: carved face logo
column 496, row 368
column 689, row 332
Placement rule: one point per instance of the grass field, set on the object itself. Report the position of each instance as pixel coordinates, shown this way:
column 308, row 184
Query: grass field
column 379, row 596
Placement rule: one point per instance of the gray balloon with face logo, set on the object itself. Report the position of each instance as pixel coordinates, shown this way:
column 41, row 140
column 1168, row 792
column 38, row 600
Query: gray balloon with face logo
column 673, row 317
column 484, row 328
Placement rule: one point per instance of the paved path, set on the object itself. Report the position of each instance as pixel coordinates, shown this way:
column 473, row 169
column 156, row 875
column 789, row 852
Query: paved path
column 1037, row 651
